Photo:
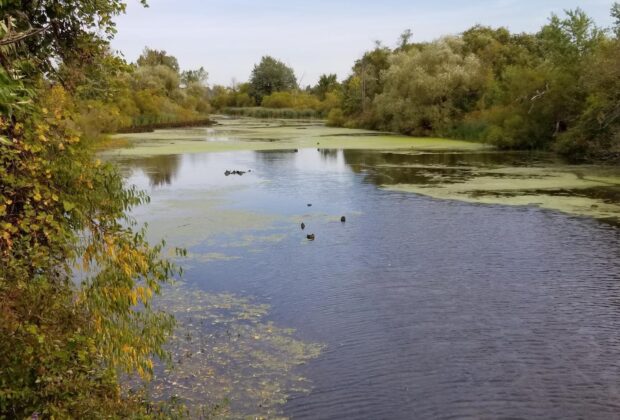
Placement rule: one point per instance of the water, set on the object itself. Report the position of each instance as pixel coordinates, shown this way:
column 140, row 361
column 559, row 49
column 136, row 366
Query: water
column 428, row 308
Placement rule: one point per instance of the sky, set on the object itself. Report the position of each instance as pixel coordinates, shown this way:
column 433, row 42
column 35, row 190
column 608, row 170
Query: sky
column 227, row 37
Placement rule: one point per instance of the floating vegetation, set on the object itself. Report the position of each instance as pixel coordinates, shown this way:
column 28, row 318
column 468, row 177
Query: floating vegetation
column 226, row 354
column 249, row 134
column 199, row 217
column 581, row 191
column 209, row 257
column 254, row 240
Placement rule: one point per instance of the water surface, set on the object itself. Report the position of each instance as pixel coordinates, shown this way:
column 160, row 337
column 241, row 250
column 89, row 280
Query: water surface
column 421, row 307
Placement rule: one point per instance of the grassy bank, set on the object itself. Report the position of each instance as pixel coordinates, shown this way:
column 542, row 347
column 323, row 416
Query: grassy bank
column 149, row 128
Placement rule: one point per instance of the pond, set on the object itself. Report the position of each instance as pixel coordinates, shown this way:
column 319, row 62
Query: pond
column 465, row 282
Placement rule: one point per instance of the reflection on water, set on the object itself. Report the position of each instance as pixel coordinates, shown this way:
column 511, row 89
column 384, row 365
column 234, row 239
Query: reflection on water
column 161, row 170
column 427, row 308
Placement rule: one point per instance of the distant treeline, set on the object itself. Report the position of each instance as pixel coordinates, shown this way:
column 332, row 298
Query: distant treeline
column 556, row 89
column 152, row 93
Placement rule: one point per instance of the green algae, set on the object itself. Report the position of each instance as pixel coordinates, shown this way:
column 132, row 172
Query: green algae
column 249, row 240
column 248, row 134
column 198, row 217
column 227, row 353
column 209, row 257
column 568, row 189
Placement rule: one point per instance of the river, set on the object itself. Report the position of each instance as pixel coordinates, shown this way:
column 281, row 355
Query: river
column 464, row 283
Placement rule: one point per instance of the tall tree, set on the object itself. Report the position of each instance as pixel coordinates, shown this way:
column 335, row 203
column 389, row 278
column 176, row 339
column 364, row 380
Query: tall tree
column 428, row 91
column 326, row 83
column 269, row 76
column 151, row 57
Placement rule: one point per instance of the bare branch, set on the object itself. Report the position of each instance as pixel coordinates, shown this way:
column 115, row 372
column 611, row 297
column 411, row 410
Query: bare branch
column 13, row 39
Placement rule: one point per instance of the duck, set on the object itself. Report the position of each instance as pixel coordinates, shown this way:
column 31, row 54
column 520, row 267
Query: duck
column 303, row 225
column 310, row 237
column 343, row 219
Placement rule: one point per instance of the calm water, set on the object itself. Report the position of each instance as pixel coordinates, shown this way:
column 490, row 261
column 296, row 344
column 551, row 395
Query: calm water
column 428, row 308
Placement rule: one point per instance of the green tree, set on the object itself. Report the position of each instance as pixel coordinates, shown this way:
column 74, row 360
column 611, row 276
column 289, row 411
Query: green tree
column 404, row 40
column 428, row 91
column 596, row 132
column 326, row 83
column 62, row 211
column 199, row 76
column 269, row 76
column 150, row 57
column 615, row 13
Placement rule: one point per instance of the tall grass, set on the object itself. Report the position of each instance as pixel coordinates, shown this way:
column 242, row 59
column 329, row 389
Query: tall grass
column 260, row 112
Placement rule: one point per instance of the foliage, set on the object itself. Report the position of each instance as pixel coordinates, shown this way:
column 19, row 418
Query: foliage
column 153, row 58
column 596, row 133
column 426, row 91
column 77, row 276
column 294, row 99
column 555, row 89
column 336, row 118
column 269, row 76
column 260, row 112
column 327, row 83
column 222, row 97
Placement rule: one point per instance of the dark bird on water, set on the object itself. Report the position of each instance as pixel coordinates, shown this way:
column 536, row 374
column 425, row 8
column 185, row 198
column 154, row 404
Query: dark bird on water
column 310, row 237
column 343, row 219
column 303, row 225
column 309, row 205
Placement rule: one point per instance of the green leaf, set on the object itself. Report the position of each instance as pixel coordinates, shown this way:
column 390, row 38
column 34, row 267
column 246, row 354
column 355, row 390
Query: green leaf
column 68, row 205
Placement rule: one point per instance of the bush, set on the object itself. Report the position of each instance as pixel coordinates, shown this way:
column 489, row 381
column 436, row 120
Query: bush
column 336, row 118
column 260, row 112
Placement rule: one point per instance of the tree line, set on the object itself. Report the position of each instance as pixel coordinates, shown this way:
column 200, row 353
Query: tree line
column 556, row 89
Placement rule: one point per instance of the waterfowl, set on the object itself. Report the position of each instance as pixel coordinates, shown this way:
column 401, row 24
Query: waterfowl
column 303, row 225
column 343, row 219
column 310, row 237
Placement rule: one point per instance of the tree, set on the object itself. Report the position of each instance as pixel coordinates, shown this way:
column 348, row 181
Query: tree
column 194, row 76
column 615, row 13
column 65, row 342
column 360, row 89
column 404, row 39
column 429, row 91
column 326, row 83
column 150, row 57
column 45, row 32
column 596, row 132
column 269, row 76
